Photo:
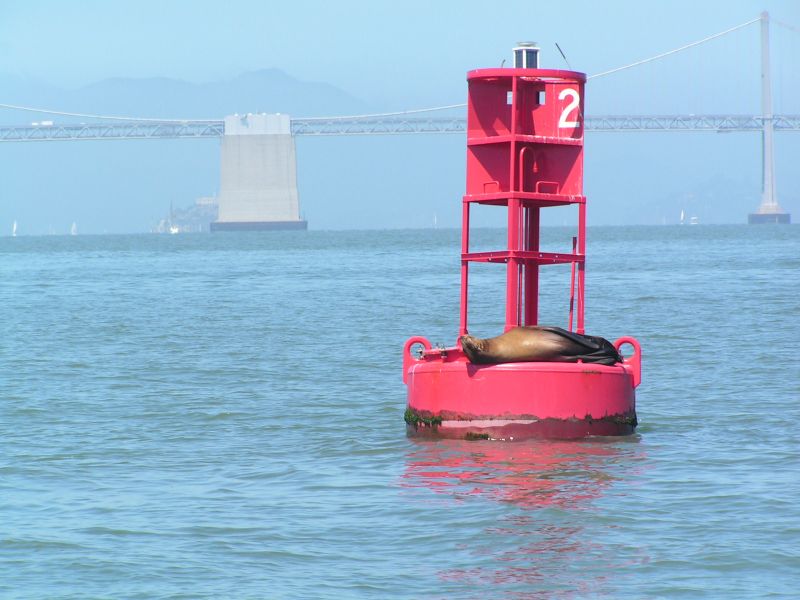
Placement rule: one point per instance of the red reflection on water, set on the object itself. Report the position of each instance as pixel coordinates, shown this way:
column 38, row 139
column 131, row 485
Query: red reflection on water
column 531, row 474
column 545, row 554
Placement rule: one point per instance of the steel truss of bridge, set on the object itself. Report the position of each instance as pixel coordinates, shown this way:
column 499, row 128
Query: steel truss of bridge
column 393, row 125
column 719, row 123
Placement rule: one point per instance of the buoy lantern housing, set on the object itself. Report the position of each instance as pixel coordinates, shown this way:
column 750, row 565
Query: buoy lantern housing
column 524, row 153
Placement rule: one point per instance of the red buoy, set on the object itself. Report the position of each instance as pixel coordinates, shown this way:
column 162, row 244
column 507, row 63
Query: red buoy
column 524, row 153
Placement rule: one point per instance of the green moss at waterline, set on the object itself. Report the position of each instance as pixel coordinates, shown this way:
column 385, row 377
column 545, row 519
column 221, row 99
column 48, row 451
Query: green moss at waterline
column 416, row 419
column 472, row 436
column 629, row 420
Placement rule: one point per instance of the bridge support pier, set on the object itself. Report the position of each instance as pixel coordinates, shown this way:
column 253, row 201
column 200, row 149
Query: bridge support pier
column 769, row 211
column 258, row 180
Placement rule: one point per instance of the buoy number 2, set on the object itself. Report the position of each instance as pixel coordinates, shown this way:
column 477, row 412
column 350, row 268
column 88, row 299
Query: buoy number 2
column 571, row 106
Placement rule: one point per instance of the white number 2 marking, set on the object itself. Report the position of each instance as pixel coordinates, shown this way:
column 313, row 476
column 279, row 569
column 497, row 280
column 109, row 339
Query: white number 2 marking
column 576, row 100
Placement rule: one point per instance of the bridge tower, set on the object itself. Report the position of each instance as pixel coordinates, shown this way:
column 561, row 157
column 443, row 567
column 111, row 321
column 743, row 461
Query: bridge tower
column 258, row 181
column 769, row 211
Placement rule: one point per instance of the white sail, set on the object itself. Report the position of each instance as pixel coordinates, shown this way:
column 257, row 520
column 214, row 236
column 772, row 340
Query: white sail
column 14, row 229
column 74, row 229
column 173, row 229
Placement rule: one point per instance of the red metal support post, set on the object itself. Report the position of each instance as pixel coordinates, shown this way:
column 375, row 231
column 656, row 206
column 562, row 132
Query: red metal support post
column 464, row 267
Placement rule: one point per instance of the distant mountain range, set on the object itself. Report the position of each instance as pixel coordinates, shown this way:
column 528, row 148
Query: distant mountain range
column 266, row 90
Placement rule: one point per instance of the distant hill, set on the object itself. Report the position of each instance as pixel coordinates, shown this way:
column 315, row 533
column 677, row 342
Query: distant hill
column 266, row 90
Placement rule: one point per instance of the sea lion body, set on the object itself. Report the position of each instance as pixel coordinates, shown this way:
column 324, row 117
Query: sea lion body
column 533, row 344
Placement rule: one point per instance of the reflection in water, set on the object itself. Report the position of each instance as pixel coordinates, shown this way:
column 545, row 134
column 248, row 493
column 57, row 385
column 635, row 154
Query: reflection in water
column 532, row 474
column 547, row 541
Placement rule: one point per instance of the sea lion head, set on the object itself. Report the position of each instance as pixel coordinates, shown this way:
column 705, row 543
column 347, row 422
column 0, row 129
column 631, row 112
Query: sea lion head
column 474, row 348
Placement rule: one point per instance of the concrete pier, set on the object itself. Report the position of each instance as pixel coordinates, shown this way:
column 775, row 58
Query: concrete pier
column 769, row 211
column 258, row 182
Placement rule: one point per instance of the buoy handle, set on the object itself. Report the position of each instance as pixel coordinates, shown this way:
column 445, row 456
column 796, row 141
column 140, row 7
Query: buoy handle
column 632, row 363
column 408, row 359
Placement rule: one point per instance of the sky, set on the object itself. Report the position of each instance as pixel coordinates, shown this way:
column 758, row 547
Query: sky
column 388, row 53
column 400, row 56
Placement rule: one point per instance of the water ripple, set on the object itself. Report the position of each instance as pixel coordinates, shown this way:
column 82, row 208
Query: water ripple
column 208, row 417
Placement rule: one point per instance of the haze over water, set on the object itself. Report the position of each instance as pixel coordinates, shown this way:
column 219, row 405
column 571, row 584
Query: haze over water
column 221, row 416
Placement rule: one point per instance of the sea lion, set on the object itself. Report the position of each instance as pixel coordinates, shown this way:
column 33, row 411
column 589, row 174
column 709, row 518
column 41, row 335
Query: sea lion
column 547, row 344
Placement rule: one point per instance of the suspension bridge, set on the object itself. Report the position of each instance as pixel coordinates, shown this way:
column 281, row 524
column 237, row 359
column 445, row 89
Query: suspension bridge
column 259, row 190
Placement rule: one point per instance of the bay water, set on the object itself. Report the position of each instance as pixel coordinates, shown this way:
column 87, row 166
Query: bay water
column 221, row 416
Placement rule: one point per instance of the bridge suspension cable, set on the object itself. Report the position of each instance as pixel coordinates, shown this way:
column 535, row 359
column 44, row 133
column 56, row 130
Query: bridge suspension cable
column 104, row 117
column 184, row 121
column 786, row 25
column 675, row 51
column 603, row 74
column 388, row 114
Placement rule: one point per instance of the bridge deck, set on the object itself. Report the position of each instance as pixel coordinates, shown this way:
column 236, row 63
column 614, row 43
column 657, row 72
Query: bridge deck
column 380, row 126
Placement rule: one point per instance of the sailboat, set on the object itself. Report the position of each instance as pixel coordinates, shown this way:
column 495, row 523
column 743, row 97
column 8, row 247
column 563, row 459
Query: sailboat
column 683, row 217
column 74, row 229
column 172, row 228
column 14, row 229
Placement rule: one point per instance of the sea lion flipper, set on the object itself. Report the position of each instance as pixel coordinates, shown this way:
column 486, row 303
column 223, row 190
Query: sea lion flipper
column 597, row 349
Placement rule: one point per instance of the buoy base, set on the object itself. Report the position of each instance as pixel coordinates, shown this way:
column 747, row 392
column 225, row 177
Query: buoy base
column 516, row 430
column 449, row 397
